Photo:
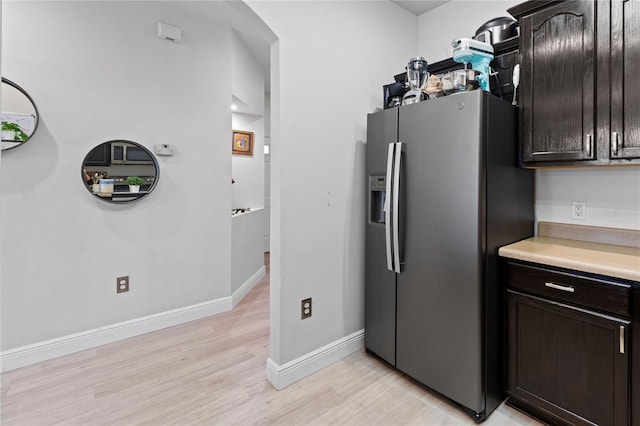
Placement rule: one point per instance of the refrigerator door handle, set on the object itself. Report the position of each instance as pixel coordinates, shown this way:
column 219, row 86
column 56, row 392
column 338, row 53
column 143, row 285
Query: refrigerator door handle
column 387, row 202
column 396, row 206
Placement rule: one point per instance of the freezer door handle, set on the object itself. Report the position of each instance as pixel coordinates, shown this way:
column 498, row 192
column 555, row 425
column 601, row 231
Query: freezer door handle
column 396, row 207
column 387, row 207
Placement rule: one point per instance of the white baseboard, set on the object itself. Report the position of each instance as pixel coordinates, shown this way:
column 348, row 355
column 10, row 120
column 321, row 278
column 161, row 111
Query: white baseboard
column 65, row 345
column 281, row 376
column 245, row 288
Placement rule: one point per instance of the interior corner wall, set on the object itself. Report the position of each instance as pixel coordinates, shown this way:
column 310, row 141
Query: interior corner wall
column 97, row 72
column 247, row 77
column 327, row 83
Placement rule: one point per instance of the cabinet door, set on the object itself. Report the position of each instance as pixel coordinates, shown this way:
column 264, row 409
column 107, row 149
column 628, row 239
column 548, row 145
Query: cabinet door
column 99, row 156
column 558, row 89
column 625, row 86
column 571, row 363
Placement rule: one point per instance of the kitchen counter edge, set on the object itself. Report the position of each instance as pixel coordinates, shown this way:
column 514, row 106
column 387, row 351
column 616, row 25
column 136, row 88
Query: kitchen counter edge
column 604, row 259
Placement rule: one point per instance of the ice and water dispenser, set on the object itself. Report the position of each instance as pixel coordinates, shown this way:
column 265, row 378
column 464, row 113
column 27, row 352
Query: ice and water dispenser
column 377, row 196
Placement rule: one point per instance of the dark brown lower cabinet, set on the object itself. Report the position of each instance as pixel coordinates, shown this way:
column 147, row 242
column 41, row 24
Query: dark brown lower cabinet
column 570, row 364
column 635, row 359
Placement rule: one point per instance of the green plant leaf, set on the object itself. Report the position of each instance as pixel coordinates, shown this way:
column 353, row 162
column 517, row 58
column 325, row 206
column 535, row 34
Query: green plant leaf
column 133, row 180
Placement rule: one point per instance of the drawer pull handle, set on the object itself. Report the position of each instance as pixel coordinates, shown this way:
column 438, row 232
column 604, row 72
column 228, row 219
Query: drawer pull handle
column 560, row 287
column 621, row 339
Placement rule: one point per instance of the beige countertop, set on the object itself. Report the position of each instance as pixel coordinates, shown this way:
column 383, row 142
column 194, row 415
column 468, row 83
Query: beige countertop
column 606, row 259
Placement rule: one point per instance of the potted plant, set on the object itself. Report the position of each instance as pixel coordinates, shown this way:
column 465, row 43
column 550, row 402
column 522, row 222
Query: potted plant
column 134, row 183
column 13, row 132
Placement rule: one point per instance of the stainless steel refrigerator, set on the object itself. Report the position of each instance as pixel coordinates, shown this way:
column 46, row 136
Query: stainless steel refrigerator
column 444, row 193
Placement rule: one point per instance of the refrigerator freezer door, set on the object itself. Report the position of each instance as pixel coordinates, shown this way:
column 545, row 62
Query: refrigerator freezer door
column 439, row 294
column 380, row 283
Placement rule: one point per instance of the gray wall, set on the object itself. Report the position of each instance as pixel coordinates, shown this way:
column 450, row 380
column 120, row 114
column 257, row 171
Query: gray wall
column 328, row 68
column 611, row 196
column 248, row 81
column 97, row 72
column 247, row 254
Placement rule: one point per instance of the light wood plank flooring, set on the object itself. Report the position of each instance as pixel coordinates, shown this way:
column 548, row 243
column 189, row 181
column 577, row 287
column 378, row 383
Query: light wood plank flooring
column 212, row 371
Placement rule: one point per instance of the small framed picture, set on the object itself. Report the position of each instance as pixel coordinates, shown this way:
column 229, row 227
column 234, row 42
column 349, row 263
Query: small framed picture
column 242, row 143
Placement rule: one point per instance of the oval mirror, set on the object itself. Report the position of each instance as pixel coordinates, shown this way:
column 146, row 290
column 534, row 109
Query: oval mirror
column 18, row 113
column 120, row 171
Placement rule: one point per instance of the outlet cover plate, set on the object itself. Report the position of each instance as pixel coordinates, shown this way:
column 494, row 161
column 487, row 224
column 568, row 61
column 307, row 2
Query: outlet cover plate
column 578, row 210
column 305, row 308
column 122, row 284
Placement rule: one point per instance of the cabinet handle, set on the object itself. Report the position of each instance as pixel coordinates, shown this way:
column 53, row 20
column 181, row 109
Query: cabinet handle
column 614, row 143
column 621, row 339
column 589, row 144
column 560, row 287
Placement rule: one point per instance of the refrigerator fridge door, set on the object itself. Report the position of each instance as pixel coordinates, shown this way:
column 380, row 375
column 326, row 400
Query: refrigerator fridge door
column 380, row 282
column 439, row 294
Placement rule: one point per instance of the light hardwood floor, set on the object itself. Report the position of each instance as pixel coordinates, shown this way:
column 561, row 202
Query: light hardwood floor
column 212, row 371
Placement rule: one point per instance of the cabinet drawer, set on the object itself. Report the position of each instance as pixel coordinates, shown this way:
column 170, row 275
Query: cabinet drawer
column 592, row 293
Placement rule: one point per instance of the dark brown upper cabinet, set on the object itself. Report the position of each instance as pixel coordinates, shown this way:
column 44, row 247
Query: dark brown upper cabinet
column 579, row 102
column 625, row 87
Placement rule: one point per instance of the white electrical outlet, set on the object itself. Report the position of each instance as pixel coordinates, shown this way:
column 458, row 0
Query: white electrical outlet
column 579, row 210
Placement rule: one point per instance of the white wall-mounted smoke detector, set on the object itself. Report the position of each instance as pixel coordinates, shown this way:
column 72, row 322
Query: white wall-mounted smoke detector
column 170, row 33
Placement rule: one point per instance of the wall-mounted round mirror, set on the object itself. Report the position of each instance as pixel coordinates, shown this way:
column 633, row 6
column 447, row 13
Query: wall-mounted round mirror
column 120, row 171
column 18, row 113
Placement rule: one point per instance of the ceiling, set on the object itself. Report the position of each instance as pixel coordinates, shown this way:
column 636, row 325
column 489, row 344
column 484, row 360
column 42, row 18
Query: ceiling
column 418, row 7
